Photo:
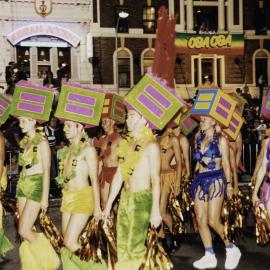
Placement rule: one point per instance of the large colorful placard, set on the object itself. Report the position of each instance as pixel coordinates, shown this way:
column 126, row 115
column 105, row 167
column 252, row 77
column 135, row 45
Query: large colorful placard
column 232, row 44
column 80, row 104
column 186, row 123
column 235, row 126
column 114, row 108
column 152, row 98
column 214, row 103
column 240, row 102
column 265, row 111
column 32, row 100
column 4, row 108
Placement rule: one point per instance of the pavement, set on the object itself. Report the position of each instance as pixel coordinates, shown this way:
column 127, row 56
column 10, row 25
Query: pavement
column 254, row 257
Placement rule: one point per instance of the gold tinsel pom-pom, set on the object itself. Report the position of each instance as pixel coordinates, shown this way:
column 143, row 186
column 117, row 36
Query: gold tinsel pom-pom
column 233, row 216
column 92, row 234
column 262, row 224
column 8, row 202
column 155, row 257
column 180, row 207
column 51, row 231
column 110, row 236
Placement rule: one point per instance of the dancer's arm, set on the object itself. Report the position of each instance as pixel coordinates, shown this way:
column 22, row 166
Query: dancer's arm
column 115, row 189
column 92, row 162
column 260, row 174
column 177, row 154
column 184, row 144
column 226, row 164
column 45, row 154
column 154, row 161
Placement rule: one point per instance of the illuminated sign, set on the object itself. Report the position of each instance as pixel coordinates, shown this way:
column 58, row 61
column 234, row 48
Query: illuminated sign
column 43, row 29
column 214, row 43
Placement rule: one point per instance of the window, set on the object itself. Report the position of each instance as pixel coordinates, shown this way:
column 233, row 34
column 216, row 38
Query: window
column 147, row 60
column 260, row 19
column 124, row 69
column 43, row 61
column 63, row 62
column 43, row 54
column 208, row 70
column 205, row 19
column 261, row 63
column 23, row 59
column 236, row 12
column 149, row 19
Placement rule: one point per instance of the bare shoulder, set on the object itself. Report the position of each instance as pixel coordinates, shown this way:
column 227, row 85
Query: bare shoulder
column 89, row 149
column 152, row 147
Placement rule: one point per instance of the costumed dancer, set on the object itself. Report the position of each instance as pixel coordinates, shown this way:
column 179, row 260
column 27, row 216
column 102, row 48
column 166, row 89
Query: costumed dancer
column 186, row 126
column 5, row 245
column 212, row 180
column 169, row 177
column 260, row 157
column 32, row 103
column 234, row 207
column 77, row 163
column 139, row 171
column 113, row 113
column 262, row 182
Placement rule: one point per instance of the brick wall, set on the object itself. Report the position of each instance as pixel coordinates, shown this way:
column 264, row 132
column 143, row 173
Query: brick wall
column 103, row 50
column 234, row 69
column 182, row 69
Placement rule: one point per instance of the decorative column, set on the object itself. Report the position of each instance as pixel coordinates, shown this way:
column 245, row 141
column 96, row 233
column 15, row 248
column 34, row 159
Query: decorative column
column 33, row 62
column 200, row 70
column 54, row 60
column 221, row 16
column 190, row 24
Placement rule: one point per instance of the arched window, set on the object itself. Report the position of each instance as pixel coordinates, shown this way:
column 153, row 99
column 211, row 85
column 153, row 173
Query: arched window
column 261, row 64
column 147, row 59
column 123, row 68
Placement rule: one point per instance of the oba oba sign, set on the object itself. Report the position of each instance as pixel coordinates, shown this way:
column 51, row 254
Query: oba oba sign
column 214, row 43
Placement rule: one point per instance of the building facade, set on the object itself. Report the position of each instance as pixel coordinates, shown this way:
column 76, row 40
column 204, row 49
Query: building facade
column 224, row 40
column 232, row 64
column 46, row 35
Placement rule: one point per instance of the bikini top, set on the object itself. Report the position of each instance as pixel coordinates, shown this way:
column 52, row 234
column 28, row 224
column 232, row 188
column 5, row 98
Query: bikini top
column 212, row 151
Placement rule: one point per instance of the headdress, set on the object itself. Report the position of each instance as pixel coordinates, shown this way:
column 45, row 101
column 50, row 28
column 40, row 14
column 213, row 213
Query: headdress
column 32, row 100
column 235, row 126
column 154, row 100
column 215, row 103
column 265, row 111
column 5, row 103
column 80, row 103
column 114, row 108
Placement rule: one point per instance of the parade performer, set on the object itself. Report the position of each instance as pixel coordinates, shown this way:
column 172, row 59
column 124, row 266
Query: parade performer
column 32, row 103
column 113, row 113
column 184, row 150
column 139, row 202
column 262, row 180
column 139, row 170
column 212, row 181
column 77, row 163
column 5, row 245
column 169, row 176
